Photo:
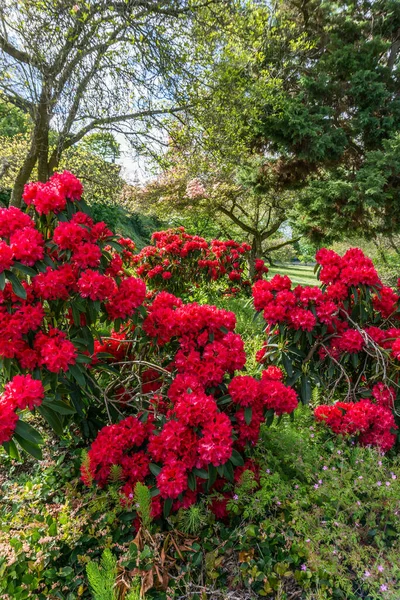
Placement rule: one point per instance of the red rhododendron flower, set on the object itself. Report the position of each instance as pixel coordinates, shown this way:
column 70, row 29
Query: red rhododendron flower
column 96, row 286
column 70, row 185
column 172, row 480
column 69, row 235
column 56, row 353
column 6, row 256
column 8, row 420
column 243, row 390
column 129, row 296
column 27, row 245
column 87, row 255
column 12, row 219
column 215, row 446
column 23, row 392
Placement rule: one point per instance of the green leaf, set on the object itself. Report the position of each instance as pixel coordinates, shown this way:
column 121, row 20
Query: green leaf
column 11, row 449
column 155, row 469
column 192, row 482
column 59, row 406
column 237, row 459
column 27, row 432
column 269, row 417
column 77, row 375
column 228, row 471
column 16, row 285
column 32, row 449
column 2, row 280
column 167, row 507
column 24, row 269
column 212, row 476
column 248, row 413
column 305, row 389
column 201, row 473
column 287, row 363
column 53, row 419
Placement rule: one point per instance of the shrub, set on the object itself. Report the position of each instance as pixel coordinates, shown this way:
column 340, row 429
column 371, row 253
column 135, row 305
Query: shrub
column 178, row 261
column 60, row 274
column 342, row 337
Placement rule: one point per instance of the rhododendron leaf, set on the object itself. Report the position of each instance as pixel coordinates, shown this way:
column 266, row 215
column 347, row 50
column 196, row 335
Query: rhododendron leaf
column 17, row 286
column 224, row 400
column 77, row 375
column 228, row 471
column 11, row 449
column 24, row 269
column 82, row 358
column 59, row 407
column 47, row 261
column 115, row 245
column 212, row 476
column 155, row 469
column 2, row 280
column 167, row 507
column 52, row 418
column 305, row 389
column 287, row 363
column 154, row 492
column 269, row 417
column 200, row 473
column 192, row 482
column 237, row 459
column 248, row 414
column 117, row 325
column 76, row 314
column 27, row 432
column 32, row 449
column 224, row 329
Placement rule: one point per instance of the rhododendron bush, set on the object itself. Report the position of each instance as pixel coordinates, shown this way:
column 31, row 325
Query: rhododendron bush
column 344, row 337
column 178, row 260
column 60, row 275
column 162, row 374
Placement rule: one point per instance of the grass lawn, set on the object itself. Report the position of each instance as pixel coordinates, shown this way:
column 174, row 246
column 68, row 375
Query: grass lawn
column 299, row 274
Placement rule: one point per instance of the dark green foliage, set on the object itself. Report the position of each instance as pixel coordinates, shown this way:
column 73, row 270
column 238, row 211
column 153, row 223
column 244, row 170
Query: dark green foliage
column 335, row 112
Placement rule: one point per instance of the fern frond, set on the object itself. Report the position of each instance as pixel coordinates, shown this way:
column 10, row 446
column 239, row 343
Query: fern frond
column 142, row 499
column 86, row 472
column 115, row 474
column 102, row 577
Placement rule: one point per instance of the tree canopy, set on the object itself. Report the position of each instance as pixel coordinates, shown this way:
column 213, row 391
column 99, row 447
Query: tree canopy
column 76, row 68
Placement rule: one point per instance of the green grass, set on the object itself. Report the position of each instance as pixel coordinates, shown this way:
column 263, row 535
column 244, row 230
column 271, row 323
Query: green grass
column 299, row 274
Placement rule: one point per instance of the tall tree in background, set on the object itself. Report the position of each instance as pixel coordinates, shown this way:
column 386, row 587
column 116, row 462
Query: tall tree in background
column 334, row 117
column 92, row 65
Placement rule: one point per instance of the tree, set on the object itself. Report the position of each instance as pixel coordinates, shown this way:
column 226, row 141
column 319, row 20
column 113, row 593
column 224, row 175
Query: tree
column 334, row 116
column 97, row 65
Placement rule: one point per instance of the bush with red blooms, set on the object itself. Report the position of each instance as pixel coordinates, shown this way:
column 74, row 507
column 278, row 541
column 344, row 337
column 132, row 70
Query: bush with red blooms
column 178, row 261
column 60, row 275
column 188, row 431
column 342, row 337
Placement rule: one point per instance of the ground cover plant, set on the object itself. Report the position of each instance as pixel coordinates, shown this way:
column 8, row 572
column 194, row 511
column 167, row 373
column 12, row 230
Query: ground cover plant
column 184, row 468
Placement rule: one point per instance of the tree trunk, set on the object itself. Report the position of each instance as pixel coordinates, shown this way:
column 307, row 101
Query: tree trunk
column 42, row 130
column 38, row 150
column 255, row 252
column 23, row 175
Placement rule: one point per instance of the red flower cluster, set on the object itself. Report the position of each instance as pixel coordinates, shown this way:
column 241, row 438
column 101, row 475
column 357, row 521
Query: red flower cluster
column 374, row 424
column 178, row 257
column 52, row 196
column 20, row 393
